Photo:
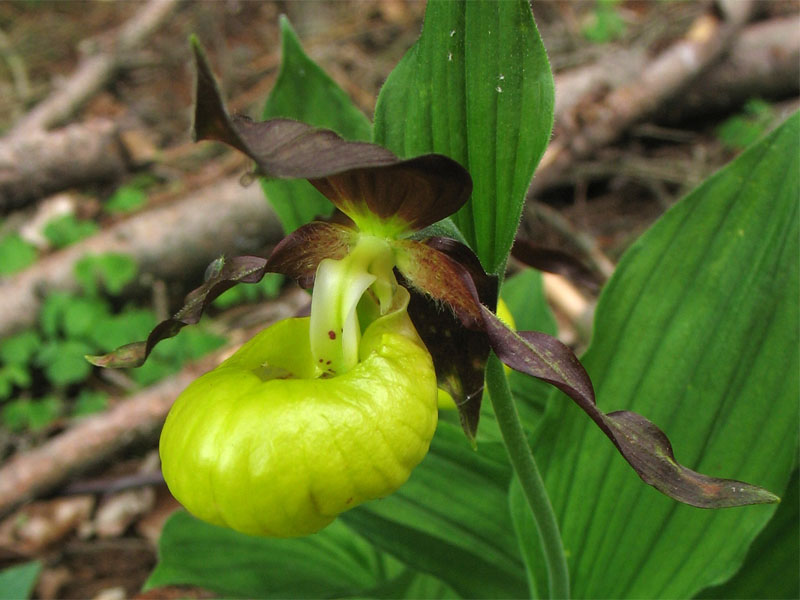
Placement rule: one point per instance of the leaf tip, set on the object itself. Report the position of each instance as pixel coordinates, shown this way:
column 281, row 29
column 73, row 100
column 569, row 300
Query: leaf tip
column 96, row 360
column 127, row 356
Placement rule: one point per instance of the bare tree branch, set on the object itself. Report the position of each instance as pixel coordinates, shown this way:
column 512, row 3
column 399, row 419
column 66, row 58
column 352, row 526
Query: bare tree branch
column 166, row 241
column 95, row 71
column 40, row 163
column 583, row 129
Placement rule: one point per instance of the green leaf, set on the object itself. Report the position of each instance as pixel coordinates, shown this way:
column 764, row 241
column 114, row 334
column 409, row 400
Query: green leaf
column 772, row 566
column 63, row 361
column 15, row 254
column 89, row 402
column 65, row 230
column 82, row 315
column 415, row 586
column 31, row 414
column 527, row 536
column 476, row 87
column 51, row 315
column 332, row 563
column 303, row 91
column 111, row 269
column 451, row 519
column 20, row 348
column 112, row 331
column 127, row 198
column 12, row 375
column 742, row 130
column 173, row 353
column 697, row 330
column 17, row 582
column 606, row 24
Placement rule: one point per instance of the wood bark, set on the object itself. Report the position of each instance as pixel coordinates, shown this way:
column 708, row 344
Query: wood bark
column 95, row 71
column 583, row 128
column 166, row 242
column 762, row 63
column 41, row 163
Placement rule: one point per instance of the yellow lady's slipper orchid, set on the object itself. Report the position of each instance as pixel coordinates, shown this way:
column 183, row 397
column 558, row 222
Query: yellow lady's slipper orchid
column 264, row 445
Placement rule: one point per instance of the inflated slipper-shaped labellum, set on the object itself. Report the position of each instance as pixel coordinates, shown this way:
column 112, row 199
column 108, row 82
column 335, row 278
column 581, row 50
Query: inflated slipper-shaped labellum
column 265, row 446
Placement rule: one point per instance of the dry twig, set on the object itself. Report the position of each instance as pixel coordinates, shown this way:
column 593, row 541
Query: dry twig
column 585, row 128
column 95, row 71
column 166, row 242
column 41, row 163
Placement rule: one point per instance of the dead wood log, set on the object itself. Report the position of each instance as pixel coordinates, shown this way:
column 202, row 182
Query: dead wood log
column 585, row 127
column 94, row 71
column 225, row 218
column 41, row 163
column 139, row 417
column 761, row 63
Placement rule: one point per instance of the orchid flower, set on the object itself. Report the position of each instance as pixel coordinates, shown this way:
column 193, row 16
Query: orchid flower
column 316, row 415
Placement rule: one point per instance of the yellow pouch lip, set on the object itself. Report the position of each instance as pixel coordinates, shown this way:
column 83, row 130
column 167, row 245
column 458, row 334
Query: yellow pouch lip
column 283, row 456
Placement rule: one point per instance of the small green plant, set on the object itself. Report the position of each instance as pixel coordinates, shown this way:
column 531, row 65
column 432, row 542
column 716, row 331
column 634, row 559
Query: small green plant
column 29, row 414
column 40, row 367
column 129, row 197
column 111, row 271
column 739, row 131
column 606, row 24
column 68, row 229
column 15, row 254
column 266, row 289
column 17, row 582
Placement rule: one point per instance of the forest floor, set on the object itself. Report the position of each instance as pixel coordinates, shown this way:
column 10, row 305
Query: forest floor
column 626, row 146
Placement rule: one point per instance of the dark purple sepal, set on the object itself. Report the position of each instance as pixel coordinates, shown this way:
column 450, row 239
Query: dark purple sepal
column 412, row 193
column 440, row 277
column 484, row 284
column 459, row 356
column 298, row 254
column 646, row 448
column 555, row 261
column 451, row 285
column 649, row 452
column 222, row 275
column 363, row 180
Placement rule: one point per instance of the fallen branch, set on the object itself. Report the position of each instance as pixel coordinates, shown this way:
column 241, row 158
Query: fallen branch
column 584, row 128
column 95, row 71
column 762, row 63
column 41, row 163
column 165, row 242
column 93, row 440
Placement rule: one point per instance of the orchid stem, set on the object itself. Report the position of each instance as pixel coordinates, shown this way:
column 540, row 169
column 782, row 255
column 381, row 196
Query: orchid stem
column 528, row 473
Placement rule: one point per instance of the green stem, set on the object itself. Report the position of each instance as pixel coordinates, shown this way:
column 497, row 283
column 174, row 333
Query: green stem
column 528, row 473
